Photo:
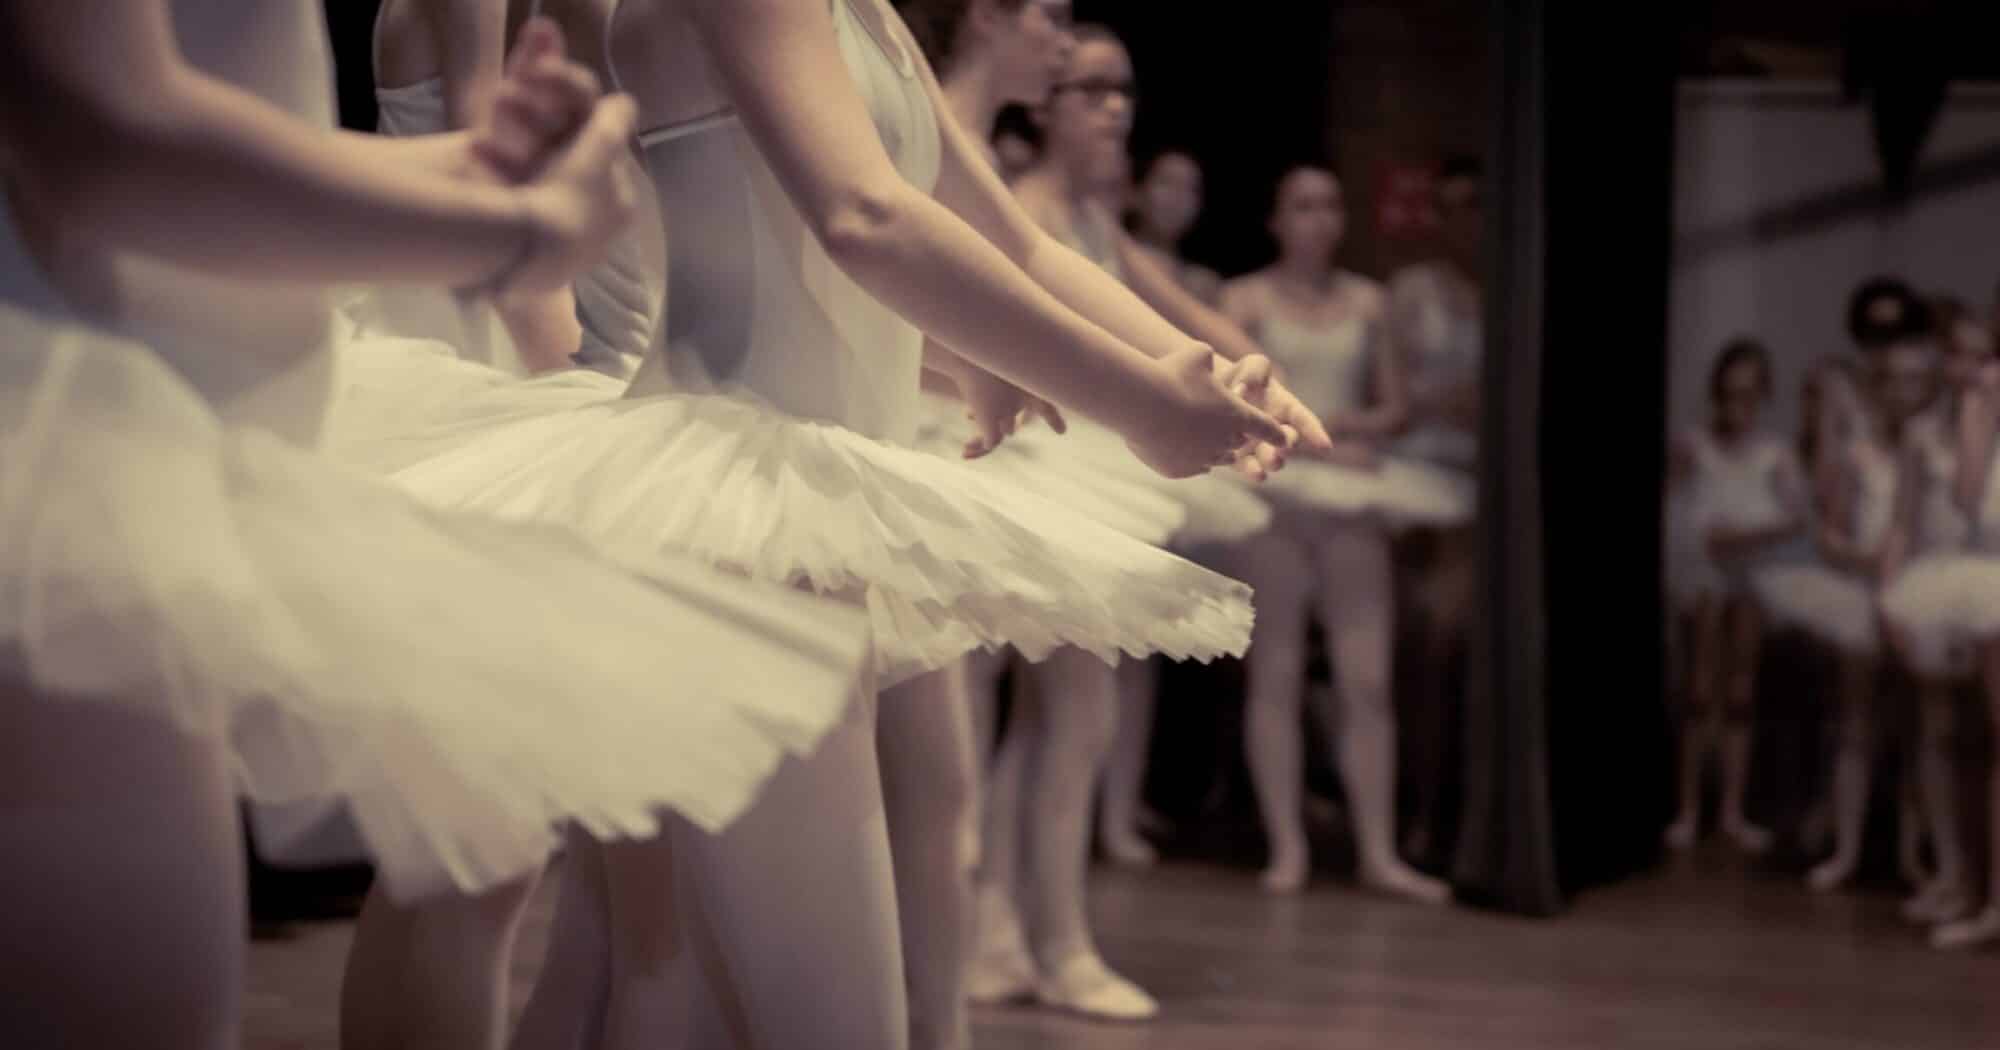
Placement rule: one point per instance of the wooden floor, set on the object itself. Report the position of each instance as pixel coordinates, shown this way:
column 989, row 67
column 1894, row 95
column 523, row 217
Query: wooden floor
column 1704, row 956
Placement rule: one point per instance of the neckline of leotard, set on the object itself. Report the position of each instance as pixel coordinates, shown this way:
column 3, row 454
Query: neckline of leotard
column 895, row 53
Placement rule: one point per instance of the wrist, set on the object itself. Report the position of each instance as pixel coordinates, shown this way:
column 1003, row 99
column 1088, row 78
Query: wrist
column 1130, row 407
column 522, row 226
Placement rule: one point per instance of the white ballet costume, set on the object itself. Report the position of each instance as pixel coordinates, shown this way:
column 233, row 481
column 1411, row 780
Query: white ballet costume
column 1737, row 488
column 619, row 308
column 1121, row 491
column 465, row 685
column 1947, row 602
column 1329, row 368
column 1445, row 347
column 766, row 434
column 1832, row 605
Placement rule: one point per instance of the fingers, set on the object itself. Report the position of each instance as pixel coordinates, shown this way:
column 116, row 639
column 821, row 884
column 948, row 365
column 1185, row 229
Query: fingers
column 1251, row 375
column 1052, row 416
column 1307, row 426
column 536, row 112
column 1258, row 425
column 540, row 38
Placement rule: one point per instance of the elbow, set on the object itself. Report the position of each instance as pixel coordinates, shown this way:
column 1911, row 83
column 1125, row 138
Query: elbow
column 861, row 226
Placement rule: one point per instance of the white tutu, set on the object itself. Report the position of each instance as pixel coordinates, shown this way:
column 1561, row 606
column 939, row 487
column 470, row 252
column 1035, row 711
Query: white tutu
column 1690, row 573
column 1401, row 493
column 1143, row 512
column 1215, row 509
column 1944, row 606
column 946, row 560
column 463, row 684
column 1832, row 606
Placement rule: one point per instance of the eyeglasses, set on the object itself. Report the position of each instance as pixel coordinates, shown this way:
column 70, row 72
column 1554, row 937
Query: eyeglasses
column 1096, row 91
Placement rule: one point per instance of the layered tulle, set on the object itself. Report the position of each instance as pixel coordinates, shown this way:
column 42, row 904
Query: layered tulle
column 1215, row 508
column 464, row 685
column 1942, row 608
column 1143, row 512
column 1400, row 493
column 945, row 559
column 1835, row 607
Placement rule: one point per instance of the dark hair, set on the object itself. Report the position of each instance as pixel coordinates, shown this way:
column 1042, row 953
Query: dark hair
column 1741, row 350
column 1285, row 174
column 1096, row 33
column 1460, row 166
column 1156, row 157
column 1015, row 120
column 1883, row 311
column 935, row 25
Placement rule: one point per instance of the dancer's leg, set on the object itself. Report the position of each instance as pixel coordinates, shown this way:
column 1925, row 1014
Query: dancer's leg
column 1357, row 604
column 928, row 785
column 121, row 896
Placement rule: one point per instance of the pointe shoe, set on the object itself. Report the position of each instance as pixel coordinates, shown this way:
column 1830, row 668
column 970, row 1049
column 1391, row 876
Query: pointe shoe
column 1680, row 835
column 1969, row 932
column 1084, row 985
column 1830, row 874
column 1399, row 879
column 1128, row 850
column 1747, row 837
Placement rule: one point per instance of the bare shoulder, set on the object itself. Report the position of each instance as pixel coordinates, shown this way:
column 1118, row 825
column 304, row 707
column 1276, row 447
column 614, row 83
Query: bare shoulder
column 1366, row 294
column 1244, row 296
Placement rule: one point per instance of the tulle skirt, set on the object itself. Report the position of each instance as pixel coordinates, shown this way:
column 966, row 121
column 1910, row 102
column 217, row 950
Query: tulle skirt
column 945, row 559
column 1214, row 508
column 464, row 685
column 1144, row 512
column 1944, row 607
column 1400, row 493
column 1835, row 607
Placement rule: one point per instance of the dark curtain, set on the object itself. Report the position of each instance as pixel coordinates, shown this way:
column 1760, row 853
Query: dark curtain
column 1610, row 98
column 1505, row 854
column 350, row 26
column 1567, row 738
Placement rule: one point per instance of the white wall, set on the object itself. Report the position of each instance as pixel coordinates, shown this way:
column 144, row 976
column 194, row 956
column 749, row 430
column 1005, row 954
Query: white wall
column 1744, row 149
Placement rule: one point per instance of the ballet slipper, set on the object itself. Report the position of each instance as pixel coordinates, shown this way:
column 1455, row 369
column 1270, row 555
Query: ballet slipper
column 1085, row 986
column 1969, row 932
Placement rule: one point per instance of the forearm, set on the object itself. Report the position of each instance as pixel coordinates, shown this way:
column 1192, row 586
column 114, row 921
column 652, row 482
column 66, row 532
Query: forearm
column 925, row 263
column 216, row 179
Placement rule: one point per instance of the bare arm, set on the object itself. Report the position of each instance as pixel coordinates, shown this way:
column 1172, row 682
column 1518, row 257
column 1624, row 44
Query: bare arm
column 1977, row 420
column 214, row 178
column 1455, row 401
column 1389, row 411
column 780, row 65
column 471, row 38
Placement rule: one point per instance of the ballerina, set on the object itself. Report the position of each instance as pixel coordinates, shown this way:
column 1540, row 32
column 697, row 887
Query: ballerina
column 1324, row 327
column 1833, row 598
column 767, row 399
column 191, row 593
column 1747, row 497
column 1932, row 524
column 1166, row 207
